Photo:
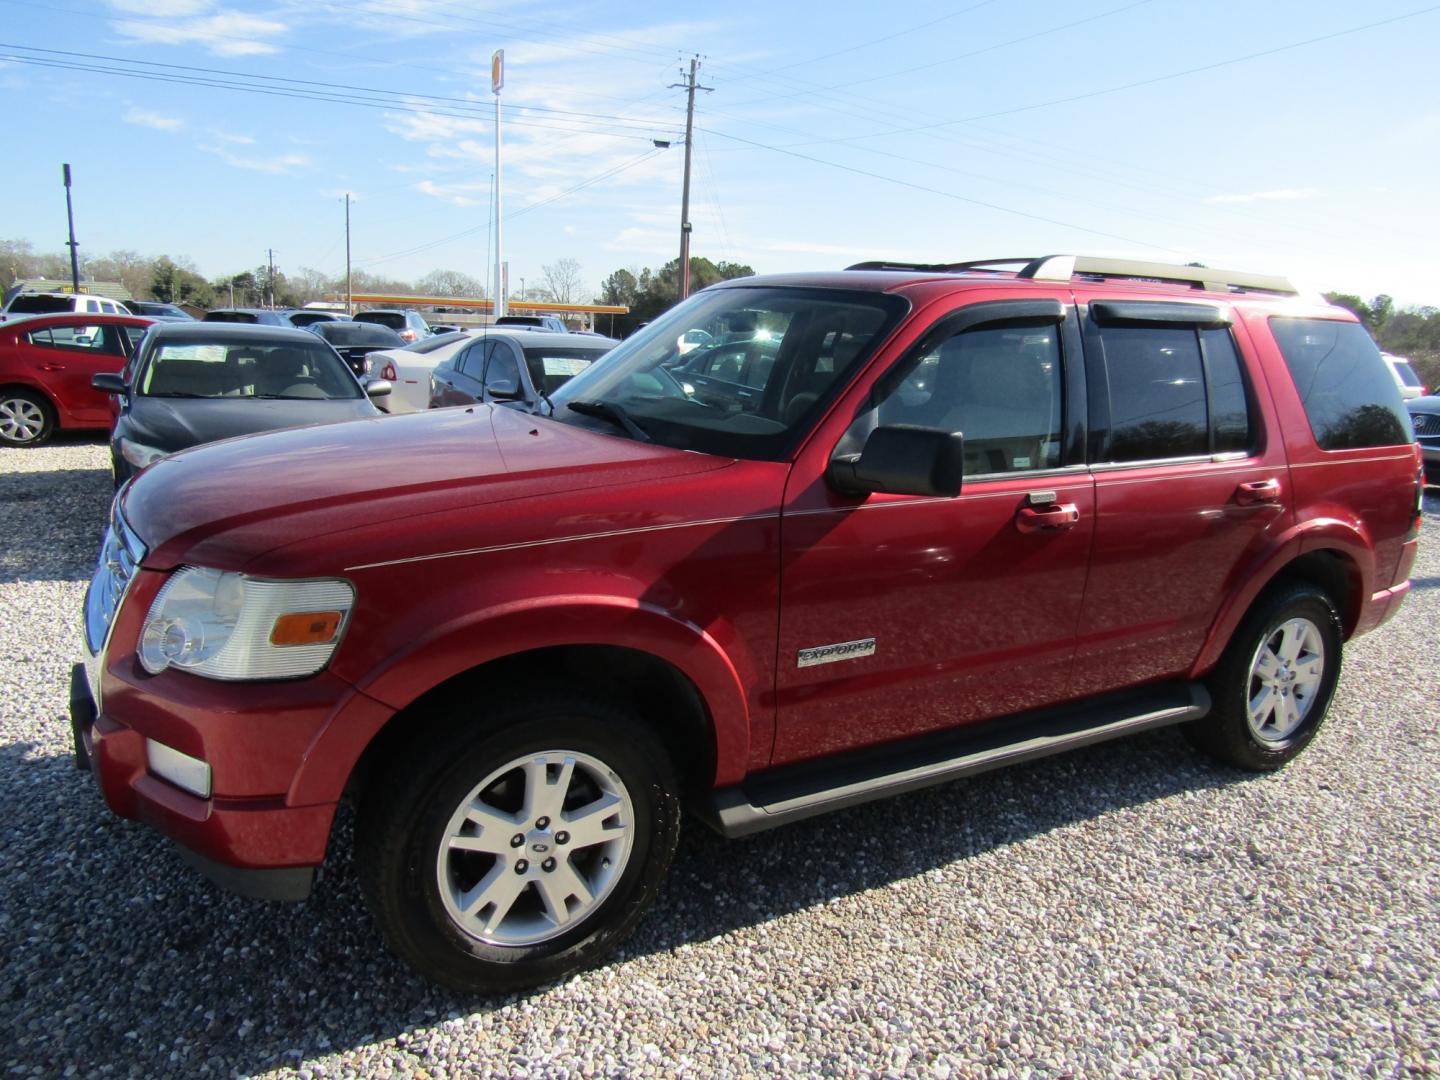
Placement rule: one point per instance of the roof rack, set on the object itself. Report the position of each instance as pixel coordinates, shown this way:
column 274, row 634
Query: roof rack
column 1065, row 267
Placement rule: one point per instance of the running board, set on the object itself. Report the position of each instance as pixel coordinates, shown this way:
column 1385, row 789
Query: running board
column 807, row 788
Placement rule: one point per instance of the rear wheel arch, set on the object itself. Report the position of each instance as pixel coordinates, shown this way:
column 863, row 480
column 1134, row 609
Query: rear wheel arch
column 1331, row 569
column 54, row 416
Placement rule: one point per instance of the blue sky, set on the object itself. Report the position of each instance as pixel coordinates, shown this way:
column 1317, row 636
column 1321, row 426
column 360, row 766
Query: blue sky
column 834, row 132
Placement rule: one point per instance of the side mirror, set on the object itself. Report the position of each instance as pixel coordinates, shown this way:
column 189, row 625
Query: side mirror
column 379, row 388
column 107, row 382
column 504, row 389
column 902, row 459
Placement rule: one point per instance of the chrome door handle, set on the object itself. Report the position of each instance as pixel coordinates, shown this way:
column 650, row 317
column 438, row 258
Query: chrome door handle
column 1258, row 493
column 1050, row 518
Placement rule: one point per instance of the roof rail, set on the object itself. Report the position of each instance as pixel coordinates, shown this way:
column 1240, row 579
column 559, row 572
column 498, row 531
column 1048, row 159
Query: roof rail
column 1065, row 267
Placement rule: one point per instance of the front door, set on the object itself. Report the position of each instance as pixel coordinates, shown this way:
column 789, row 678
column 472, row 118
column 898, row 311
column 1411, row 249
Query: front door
column 903, row 614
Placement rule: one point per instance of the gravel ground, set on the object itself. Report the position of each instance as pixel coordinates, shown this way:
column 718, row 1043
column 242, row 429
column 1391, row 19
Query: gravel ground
column 1122, row 910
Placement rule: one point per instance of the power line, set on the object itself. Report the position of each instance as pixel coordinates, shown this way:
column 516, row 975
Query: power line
column 396, row 104
column 937, row 191
column 588, row 182
column 1137, row 83
column 968, row 55
column 224, row 77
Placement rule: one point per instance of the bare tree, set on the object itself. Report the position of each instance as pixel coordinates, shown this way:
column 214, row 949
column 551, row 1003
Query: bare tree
column 563, row 281
column 449, row 283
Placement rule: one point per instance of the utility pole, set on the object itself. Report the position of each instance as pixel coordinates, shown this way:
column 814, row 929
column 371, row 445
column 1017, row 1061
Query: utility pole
column 349, row 291
column 690, row 88
column 74, row 249
column 497, row 81
column 270, row 276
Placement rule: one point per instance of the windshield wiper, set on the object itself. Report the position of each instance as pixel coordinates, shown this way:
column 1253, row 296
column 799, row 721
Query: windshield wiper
column 608, row 410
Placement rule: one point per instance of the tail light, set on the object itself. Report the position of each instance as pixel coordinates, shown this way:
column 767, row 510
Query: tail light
column 407, row 335
column 390, row 373
column 1419, row 501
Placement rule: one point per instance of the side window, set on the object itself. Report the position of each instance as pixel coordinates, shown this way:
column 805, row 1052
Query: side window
column 133, row 334
column 504, row 369
column 472, row 361
column 42, row 338
column 92, row 307
column 1157, row 393
column 89, row 339
column 1351, row 400
column 1000, row 386
column 1229, row 405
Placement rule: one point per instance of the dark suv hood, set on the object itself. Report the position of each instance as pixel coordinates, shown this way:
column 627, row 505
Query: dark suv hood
column 179, row 423
column 231, row 501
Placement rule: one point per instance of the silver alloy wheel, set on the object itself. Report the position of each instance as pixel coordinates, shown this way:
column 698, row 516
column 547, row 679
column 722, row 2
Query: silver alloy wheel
column 535, row 848
column 1285, row 676
column 21, row 419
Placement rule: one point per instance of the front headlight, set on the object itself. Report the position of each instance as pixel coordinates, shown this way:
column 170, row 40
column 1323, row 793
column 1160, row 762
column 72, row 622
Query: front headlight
column 230, row 626
column 138, row 454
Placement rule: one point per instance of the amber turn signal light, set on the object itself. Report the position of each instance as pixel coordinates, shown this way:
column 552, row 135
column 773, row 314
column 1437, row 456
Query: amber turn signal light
column 305, row 628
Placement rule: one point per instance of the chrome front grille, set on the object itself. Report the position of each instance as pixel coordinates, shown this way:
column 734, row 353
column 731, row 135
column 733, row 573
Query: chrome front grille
column 1426, row 424
column 120, row 555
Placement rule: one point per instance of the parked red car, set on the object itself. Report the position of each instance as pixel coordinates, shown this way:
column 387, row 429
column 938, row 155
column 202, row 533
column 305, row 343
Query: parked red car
column 46, row 364
column 949, row 517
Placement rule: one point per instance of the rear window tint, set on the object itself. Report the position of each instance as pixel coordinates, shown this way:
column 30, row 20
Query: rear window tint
column 231, row 317
column 40, row 305
column 393, row 319
column 1406, row 373
column 1351, row 400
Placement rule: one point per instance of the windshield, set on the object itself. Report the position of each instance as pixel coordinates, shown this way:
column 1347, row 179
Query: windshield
column 439, row 341
column 551, row 369
column 344, row 334
column 772, row 360
column 247, row 370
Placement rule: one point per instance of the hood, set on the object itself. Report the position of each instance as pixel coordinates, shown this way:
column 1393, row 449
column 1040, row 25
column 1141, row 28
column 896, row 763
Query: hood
column 226, row 503
column 179, row 423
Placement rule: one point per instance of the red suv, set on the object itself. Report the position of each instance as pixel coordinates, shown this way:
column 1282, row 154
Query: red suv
column 46, row 364
column 917, row 522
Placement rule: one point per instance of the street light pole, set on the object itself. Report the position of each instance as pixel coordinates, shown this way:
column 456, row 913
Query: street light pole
column 349, row 291
column 497, row 81
column 74, row 248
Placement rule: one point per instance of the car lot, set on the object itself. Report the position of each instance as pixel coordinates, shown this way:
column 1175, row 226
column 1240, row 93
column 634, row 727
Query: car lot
column 1125, row 909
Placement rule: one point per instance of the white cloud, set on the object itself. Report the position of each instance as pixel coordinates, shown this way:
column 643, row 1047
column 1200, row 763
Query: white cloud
column 466, row 194
column 162, row 9
column 146, row 118
column 277, row 165
column 226, row 33
column 238, row 140
column 1277, row 195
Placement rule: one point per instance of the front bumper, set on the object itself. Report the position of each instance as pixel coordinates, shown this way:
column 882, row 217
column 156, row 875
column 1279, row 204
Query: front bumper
column 256, row 846
column 1430, row 453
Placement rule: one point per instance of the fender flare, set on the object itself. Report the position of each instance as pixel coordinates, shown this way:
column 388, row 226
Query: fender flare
column 523, row 626
column 1315, row 534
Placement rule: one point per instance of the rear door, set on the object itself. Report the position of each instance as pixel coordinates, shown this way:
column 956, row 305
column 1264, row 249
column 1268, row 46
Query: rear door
column 461, row 380
column 1191, row 483
column 64, row 358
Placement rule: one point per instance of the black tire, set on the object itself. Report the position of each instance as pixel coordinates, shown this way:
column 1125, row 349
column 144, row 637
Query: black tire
column 1227, row 733
column 406, row 814
column 18, row 412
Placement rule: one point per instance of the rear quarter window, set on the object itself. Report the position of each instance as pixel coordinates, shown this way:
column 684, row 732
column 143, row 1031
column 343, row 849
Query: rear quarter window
column 1350, row 398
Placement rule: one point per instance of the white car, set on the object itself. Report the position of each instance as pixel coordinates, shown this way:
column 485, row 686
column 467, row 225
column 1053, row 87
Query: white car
column 24, row 305
column 1410, row 384
column 408, row 370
